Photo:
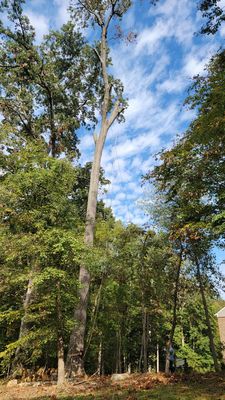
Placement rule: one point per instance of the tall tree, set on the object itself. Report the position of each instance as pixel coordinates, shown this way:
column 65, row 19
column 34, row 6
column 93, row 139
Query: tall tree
column 50, row 89
column 191, row 174
column 112, row 104
column 38, row 233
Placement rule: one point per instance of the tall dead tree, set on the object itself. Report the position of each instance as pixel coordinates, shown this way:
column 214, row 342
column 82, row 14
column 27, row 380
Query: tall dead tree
column 101, row 13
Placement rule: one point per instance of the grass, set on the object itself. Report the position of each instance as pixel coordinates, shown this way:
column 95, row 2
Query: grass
column 195, row 387
column 167, row 392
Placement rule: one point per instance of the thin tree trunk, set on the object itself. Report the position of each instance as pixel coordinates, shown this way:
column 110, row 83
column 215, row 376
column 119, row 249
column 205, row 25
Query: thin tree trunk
column 141, row 355
column 27, row 300
column 75, row 361
column 157, row 358
column 23, row 325
column 145, row 341
column 118, row 352
column 167, row 361
column 60, row 341
column 53, row 136
column 143, row 360
column 99, row 370
column 175, row 296
column 207, row 319
column 175, row 300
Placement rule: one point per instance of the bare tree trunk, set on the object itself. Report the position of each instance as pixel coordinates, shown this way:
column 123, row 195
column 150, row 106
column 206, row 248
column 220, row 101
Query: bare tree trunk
column 23, row 324
column 141, row 355
column 118, row 352
column 61, row 363
column 157, row 358
column 175, row 296
column 99, row 370
column 167, row 361
column 207, row 319
column 60, row 341
column 75, row 361
column 145, row 340
column 93, row 318
column 174, row 321
column 27, row 300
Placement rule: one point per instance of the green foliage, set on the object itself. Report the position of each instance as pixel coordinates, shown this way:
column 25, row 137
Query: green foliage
column 191, row 336
column 191, row 174
column 47, row 90
column 40, row 240
column 214, row 12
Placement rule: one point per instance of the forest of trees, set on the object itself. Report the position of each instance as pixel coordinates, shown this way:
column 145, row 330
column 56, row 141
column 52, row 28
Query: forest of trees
column 79, row 290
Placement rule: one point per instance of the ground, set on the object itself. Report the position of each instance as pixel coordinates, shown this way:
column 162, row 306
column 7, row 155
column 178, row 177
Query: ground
column 136, row 387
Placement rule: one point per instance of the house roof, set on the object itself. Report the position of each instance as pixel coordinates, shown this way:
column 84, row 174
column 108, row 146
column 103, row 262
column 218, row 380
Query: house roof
column 221, row 313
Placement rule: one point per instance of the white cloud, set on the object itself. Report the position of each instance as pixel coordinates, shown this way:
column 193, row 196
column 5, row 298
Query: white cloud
column 40, row 23
column 173, row 85
column 194, row 65
column 222, row 31
column 155, row 72
column 196, row 61
column 62, row 15
column 87, row 142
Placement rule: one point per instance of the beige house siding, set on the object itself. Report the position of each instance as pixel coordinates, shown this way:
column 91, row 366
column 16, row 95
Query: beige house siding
column 221, row 323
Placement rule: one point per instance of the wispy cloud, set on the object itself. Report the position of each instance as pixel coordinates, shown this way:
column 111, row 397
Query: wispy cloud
column 156, row 71
column 40, row 23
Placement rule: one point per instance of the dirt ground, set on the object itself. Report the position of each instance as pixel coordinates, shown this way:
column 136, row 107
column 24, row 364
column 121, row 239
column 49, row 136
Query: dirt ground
column 136, row 386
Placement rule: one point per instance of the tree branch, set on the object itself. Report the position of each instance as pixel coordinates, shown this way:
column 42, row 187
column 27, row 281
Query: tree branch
column 98, row 55
column 117, row 109
column 10, row 66
column 95, row 14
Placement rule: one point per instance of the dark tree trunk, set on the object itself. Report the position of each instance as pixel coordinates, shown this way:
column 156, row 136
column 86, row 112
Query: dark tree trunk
column 143, row 360
column 207, row 319
column 75, row 361
column 167, row 361
column 175, row 295
column 118, row 352
column 145, row 340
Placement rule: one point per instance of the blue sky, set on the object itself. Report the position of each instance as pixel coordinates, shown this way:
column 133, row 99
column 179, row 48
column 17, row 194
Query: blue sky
column 156, row 71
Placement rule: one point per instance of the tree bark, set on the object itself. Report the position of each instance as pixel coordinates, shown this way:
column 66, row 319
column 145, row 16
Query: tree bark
column 207, row 319
column 174, row 321
column 175, row 296
column 167, row 361
column 23, row 325
column 99, row 369
column 157, row 358
column 60, row 341
column 145, row 341
column 75, row 361
column 93, row 318
column 61, row 363
column 118, row 352
column 143, row 360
